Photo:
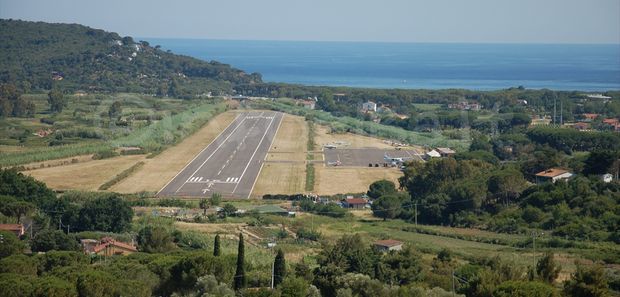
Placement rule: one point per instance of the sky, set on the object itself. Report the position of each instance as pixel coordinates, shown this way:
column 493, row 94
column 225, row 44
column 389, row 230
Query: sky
column 468, row 21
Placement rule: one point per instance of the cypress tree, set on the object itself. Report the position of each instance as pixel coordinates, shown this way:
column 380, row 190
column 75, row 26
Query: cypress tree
column 216, row 246
column 239, row 282
column 279, row 268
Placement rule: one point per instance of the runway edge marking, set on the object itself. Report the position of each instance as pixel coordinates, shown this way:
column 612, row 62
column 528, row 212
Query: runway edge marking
column 263, row 163
column 198, row 154
column 253, row 154
column 213, row 153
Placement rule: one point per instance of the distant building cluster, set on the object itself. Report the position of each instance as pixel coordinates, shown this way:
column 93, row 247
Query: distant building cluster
column 369, row 107
column 464, row 105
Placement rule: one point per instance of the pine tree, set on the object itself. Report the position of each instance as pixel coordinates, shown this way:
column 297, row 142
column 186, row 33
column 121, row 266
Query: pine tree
column 547, row 269
column 216, row 246
column 239, row 282
column 279, row 268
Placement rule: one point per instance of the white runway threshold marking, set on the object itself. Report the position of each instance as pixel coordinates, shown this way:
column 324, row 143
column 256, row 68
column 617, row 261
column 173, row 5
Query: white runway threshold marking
column 216, row 149
column 191, row 161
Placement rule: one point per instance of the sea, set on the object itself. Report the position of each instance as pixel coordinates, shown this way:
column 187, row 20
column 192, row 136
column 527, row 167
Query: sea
column 569, row 67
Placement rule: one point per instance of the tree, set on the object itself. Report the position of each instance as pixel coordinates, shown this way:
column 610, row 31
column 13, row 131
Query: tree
column 19, row 264
column 12, row 207
column 228, row 210
column 381, row 188
column 16, row 209
column 240, row 281
column 9, row 244
column 94, row 283
column 173, row 88
column 386, row 207
column 56, row 100
column 15, row 184
column 587, row 282
column 53, row 259
column 53, row 286
column 601, row 162
column 279, row 268
column 294, row 287
column 109, row 213
column 524, row 289
column 506, row 184
column 204, row 205
column 216, row 199
column 209, row 286
column 115, row 110
column 48, row 240
column 155, row 240
column 15, row 285
column 546, row 269
column 216, row 246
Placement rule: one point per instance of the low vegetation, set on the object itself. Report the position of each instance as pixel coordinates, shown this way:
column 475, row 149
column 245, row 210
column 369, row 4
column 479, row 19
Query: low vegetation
column 121, row 176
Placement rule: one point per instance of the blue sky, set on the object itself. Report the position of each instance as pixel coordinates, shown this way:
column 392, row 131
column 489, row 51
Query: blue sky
column 487, row 21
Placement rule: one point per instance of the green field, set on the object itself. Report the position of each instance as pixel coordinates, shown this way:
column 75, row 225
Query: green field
column 427, row 106
column 85, row 126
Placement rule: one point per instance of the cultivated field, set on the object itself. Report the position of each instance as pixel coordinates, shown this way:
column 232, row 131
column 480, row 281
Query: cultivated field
column 157, row 171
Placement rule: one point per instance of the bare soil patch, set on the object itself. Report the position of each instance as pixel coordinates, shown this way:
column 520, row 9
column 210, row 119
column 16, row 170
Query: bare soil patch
column 339, row 180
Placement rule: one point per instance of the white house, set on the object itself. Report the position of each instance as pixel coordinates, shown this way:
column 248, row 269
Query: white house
column 369, row 106
column 607, row 177
column 433, row 154
column 388, row 245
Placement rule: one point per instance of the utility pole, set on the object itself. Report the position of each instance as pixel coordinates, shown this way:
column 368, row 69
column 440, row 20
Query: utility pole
column 273, row 268
column 561, row 112
column 453, row 288
column 554, row 111
column 416, row 213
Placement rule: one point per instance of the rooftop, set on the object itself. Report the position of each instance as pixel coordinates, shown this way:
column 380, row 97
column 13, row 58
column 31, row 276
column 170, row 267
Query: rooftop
column 445, row 150
column 552, row 172
column 11, row 227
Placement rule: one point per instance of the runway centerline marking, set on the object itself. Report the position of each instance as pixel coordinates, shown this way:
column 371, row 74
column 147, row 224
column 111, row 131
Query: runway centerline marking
column 252, row 158
column 197, row 155
column 216, row 149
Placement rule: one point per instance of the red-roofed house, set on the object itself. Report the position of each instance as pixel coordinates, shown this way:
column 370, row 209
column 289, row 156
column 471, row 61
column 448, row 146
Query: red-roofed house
column 552, row 175
column 108, row 246
column 590, row 116
column 17, row 229
column 357, row 203
column 309, row 104
column 611, row 121
column 388, row 245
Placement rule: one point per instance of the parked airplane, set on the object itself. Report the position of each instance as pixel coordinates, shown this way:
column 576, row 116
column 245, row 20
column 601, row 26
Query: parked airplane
column 335, row 163
column 395, row 160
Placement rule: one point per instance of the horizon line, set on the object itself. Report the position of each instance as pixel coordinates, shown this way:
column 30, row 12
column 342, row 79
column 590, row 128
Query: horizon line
column 376, row 41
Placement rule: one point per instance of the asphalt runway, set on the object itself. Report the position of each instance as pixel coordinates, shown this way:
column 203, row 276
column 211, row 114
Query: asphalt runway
column 364, row 156
column 231, row 163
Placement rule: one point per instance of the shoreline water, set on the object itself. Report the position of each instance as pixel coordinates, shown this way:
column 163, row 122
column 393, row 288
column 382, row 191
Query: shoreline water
column 568, row 67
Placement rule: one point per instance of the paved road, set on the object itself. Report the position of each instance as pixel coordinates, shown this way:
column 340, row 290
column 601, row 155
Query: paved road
column 231, row 163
